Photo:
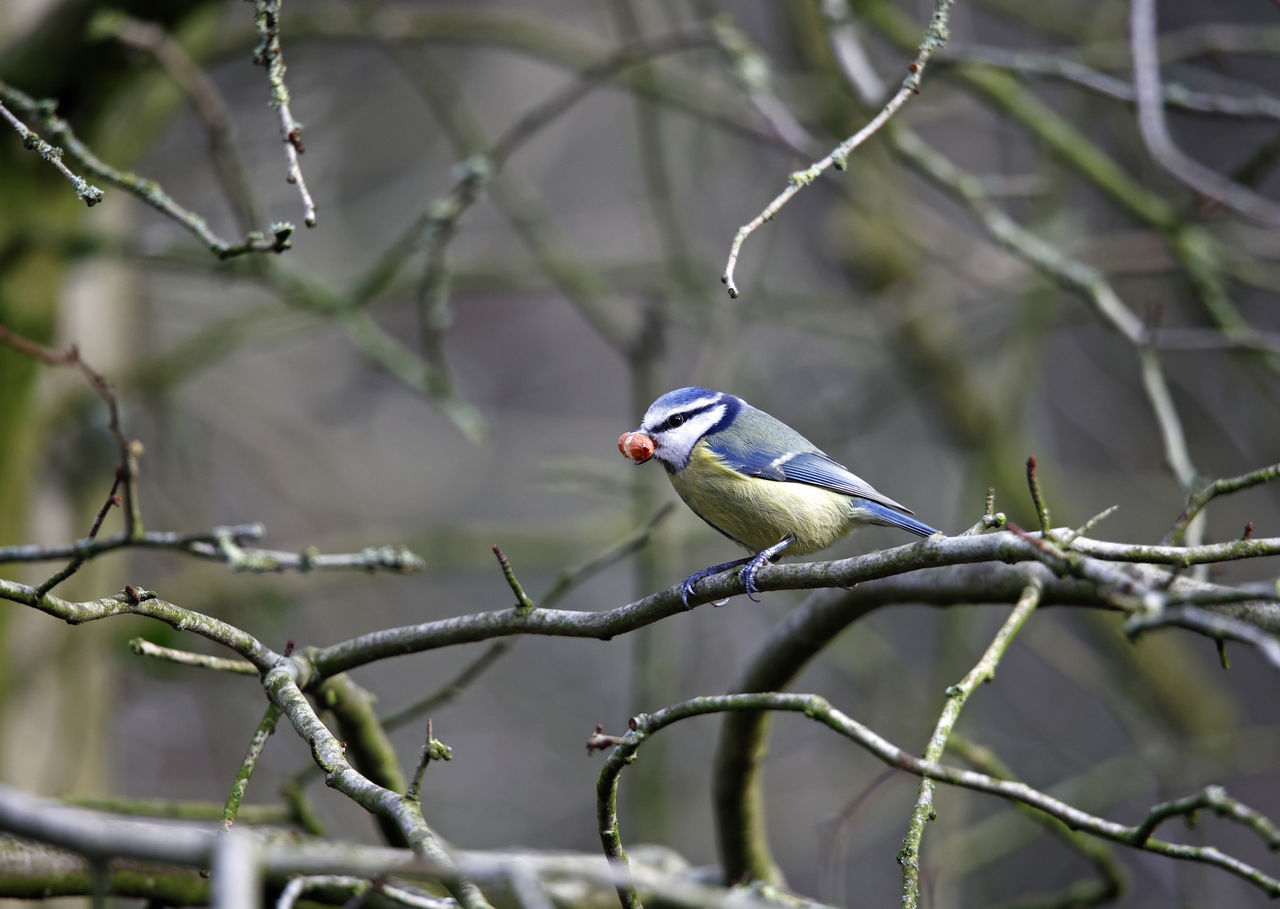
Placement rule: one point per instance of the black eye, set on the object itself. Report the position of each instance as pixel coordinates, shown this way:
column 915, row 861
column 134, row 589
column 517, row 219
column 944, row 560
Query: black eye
column 676, row 419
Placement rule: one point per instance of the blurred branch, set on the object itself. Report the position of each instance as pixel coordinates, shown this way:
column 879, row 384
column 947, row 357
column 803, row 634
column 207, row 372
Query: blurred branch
column 1248, row 339
column 983, row 671
column 208, row 102
column 652, row 153
column 935, row 36
column 260, row 815
column 1209, row 39
column 1155, row 132
column 609, row 314
column 818, row 709
column 395, row 357
column 148, row 191
column 269, row 54
column 634, row 52
column 96, row 835
column 1112, row 880
column 438, row 223
column 525, row 32
column 1084, row 279
column 1063, row 65
column 451, row 689
column 126, row 470
column 1198, row 253
column 574, row 575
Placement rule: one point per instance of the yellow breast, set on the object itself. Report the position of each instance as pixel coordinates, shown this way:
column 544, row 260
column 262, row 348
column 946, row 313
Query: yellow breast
column 758, row 513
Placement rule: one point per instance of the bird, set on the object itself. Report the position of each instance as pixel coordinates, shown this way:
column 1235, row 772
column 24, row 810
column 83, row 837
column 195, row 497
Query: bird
column 756, row 480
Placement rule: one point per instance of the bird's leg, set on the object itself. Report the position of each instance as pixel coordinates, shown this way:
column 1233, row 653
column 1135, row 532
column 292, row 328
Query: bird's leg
column 748, row 573
column 686, row 587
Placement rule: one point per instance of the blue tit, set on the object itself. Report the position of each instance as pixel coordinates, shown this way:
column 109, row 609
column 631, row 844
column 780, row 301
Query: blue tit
column 756, row 480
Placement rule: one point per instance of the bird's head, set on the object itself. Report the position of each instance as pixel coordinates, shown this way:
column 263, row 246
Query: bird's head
column 675, row 422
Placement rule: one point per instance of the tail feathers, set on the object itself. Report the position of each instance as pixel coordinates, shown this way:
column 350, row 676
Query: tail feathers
column 881, row 514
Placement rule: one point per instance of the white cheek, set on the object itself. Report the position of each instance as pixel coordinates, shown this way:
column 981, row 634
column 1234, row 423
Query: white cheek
column 674, row 445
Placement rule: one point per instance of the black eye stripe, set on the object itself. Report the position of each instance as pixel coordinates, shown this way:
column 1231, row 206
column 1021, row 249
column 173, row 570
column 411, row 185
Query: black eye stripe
column 730, row 404
column 679, row 419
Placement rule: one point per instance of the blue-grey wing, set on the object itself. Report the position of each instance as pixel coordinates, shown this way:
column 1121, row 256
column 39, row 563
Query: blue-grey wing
column 812, row 467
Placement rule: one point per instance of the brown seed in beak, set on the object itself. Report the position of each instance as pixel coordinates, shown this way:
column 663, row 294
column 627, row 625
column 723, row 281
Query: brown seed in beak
column 636, row 446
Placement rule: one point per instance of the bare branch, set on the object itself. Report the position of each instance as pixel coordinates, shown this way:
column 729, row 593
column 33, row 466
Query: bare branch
column 266, row 726
column 269, row 54
column 149, row 191
column 89, row 194
column 1220, row 487
column 935, row 36
column 818, row 709
column 983, row 671
column 143, row 647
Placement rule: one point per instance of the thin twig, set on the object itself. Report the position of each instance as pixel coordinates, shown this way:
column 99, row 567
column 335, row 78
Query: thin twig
column 523, row 603
column 31, row 140
column 983, row 671
column 143, row 647
column 1090, row 524
column 564, row 582
column 1037, row 497
column 149, row 191
column 1214, row 798
column 1219, row 487
column 432, row 750
column 935, row 36
column 266, row 726
column 126, row 470
column 268, row 53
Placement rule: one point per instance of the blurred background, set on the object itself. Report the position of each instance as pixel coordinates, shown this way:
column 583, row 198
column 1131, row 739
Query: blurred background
column 447, row 359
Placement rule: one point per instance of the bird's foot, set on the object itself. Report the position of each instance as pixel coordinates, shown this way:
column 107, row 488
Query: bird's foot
column 747, row 575
column 750, row 565
column 686, row 586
